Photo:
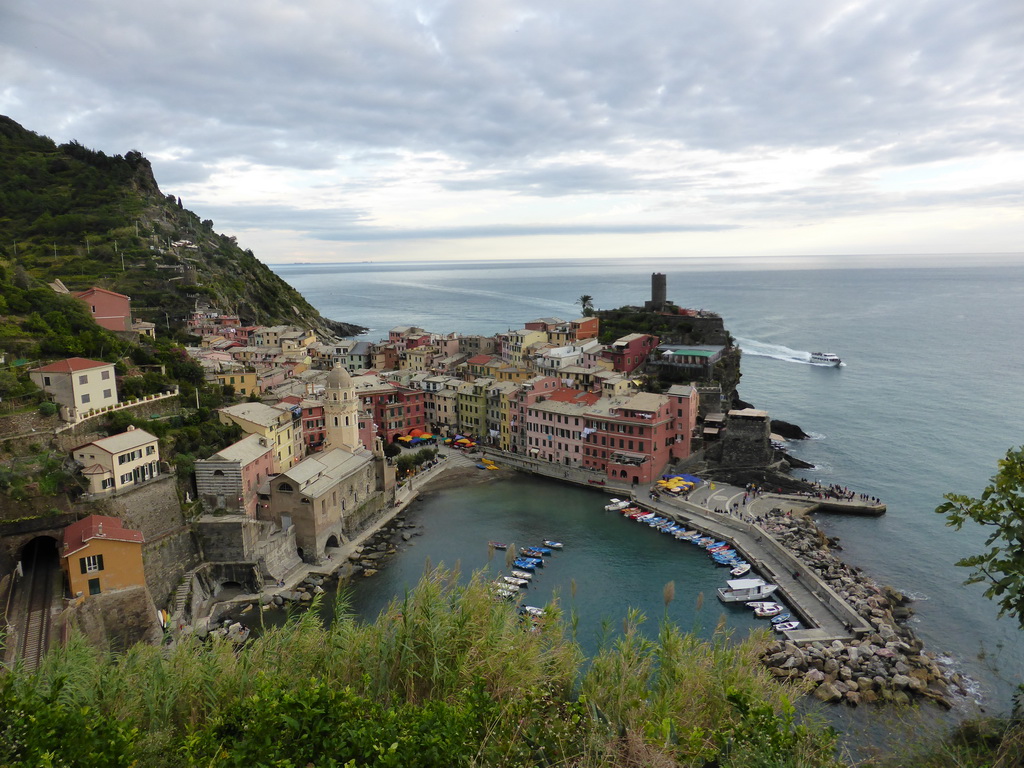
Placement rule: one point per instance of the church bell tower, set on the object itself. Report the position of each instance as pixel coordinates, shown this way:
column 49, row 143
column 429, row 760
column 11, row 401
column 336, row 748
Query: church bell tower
column 341, row 411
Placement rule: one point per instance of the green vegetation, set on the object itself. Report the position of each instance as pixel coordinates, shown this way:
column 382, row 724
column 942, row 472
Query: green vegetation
column 445, row 677
column 406, row 463
column 39, row 474
column 996, row 742
column 1000, row 508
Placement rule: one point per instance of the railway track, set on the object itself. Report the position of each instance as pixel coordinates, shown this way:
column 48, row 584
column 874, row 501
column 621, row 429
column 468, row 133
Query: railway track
column 35, row 624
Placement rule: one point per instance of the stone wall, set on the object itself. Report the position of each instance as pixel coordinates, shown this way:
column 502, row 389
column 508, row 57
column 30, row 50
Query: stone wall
column 169, row 549
column 745, row 443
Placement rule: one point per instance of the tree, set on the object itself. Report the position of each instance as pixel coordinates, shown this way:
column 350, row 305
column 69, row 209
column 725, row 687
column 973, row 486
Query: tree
column 1001, row 507
column 586, row 303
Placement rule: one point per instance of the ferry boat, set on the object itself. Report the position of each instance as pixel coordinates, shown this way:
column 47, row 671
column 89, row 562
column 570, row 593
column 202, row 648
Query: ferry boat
column 825, row 358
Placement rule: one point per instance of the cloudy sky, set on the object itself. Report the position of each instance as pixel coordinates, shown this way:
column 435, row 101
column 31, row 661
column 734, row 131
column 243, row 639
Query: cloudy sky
column 339, row 130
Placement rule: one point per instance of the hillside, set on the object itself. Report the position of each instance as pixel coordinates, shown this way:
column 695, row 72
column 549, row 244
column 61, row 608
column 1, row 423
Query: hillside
column 87, row 218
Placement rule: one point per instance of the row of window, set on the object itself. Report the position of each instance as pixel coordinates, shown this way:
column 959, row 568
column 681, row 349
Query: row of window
column 107, row 395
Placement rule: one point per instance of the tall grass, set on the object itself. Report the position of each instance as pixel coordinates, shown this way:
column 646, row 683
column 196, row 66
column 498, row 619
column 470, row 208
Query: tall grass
column 671, row 699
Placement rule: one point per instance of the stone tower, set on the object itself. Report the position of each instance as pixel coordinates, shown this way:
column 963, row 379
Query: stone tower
column 659, row 293
column 341, row 411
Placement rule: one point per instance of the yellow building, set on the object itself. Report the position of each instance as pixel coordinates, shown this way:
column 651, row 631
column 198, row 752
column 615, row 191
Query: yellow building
column 274, row 424
column 245, row 383
column 473, row 406
column 517, row 344
column 99, row 554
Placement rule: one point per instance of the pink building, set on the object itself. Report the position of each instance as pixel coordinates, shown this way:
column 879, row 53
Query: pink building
column 230, row 480
column 110, row 310
column 630, row 438
column 313, row 425
column 630, row 352
column 684, row 402
column 554, row 424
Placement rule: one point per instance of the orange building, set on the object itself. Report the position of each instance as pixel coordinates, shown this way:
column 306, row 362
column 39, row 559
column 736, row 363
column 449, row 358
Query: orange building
column 100, row 555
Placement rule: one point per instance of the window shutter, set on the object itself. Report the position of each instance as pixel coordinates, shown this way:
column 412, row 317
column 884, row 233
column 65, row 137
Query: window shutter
column 99, row 562
column 81, row 562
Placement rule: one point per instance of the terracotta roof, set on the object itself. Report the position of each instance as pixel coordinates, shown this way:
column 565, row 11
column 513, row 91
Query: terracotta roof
column 96, row 289
column 77, row 535
column 480, row 359
column 71, row 365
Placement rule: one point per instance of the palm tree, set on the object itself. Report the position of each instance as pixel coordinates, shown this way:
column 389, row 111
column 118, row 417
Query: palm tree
column 586, row 303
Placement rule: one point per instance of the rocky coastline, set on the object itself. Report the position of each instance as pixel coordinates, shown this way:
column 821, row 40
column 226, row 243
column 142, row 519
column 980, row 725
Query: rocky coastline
column 888, row 665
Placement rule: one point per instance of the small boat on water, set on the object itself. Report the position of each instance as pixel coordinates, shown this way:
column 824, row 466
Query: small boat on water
column 497, row 545
column 825, row 358
column 782, row 618
column 742, row 590
column 616, row 504
column 523, row 575
column 532, row 610
column 759, row 603
column 524, row 565
column 515, row 581
column 552, row 544
column 740, row 570
column 787, row 626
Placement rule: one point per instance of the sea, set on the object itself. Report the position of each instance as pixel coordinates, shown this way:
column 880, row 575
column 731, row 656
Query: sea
column 929, row 398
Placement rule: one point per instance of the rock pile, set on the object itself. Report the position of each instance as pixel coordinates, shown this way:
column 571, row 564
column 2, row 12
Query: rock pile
column 886, row 665
column 368, row 558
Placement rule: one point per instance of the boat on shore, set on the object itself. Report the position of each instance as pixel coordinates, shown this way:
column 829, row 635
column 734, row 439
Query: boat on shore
column 825, row 358
column 786, row 626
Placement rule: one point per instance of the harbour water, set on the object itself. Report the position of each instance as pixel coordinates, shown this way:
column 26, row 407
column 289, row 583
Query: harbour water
column 927, row 402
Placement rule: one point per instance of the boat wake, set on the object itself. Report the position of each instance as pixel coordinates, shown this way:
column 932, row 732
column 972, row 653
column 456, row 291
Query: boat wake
column 778, row 352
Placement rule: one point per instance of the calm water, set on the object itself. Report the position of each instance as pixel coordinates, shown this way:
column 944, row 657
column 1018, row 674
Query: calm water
column 927, row 403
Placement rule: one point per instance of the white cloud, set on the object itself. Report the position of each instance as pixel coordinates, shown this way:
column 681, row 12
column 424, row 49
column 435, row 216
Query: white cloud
column 646, row 126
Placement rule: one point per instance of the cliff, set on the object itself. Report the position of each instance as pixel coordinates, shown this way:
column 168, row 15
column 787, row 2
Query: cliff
column 75, row 214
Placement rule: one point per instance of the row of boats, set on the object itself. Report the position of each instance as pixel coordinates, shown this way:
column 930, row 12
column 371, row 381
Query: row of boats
column 524, row 567
column 720, row 552
column 751, row 590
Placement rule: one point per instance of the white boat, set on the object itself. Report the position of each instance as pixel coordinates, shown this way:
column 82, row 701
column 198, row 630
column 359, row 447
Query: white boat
column 525, row 575
column 616, row 504
column 515, row 581
column 552, row 544
column 740, row 570
column 744, row 590
column 531, row 610
column 786, row 626
column 767, row 611
column 825, row 358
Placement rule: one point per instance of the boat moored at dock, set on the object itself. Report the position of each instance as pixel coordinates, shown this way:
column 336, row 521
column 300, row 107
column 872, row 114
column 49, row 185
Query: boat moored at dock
column 745, row 590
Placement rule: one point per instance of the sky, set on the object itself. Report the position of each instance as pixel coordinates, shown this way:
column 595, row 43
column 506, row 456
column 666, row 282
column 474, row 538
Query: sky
column 339, row 130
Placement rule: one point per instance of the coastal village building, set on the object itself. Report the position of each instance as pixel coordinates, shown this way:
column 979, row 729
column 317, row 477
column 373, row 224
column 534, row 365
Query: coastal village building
column 479, row 345
column 119, row 462
column 684, row 401
column 687, row 363
column 555, row 426
column 630, row 352
column 245, row 383
column 516, row 344
column 329, row 496
column 230, row 479
column 396, row 410
column 630, row 438
column 268, row 422
column 77, row 384
column 110, row 310
column 98, row 554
